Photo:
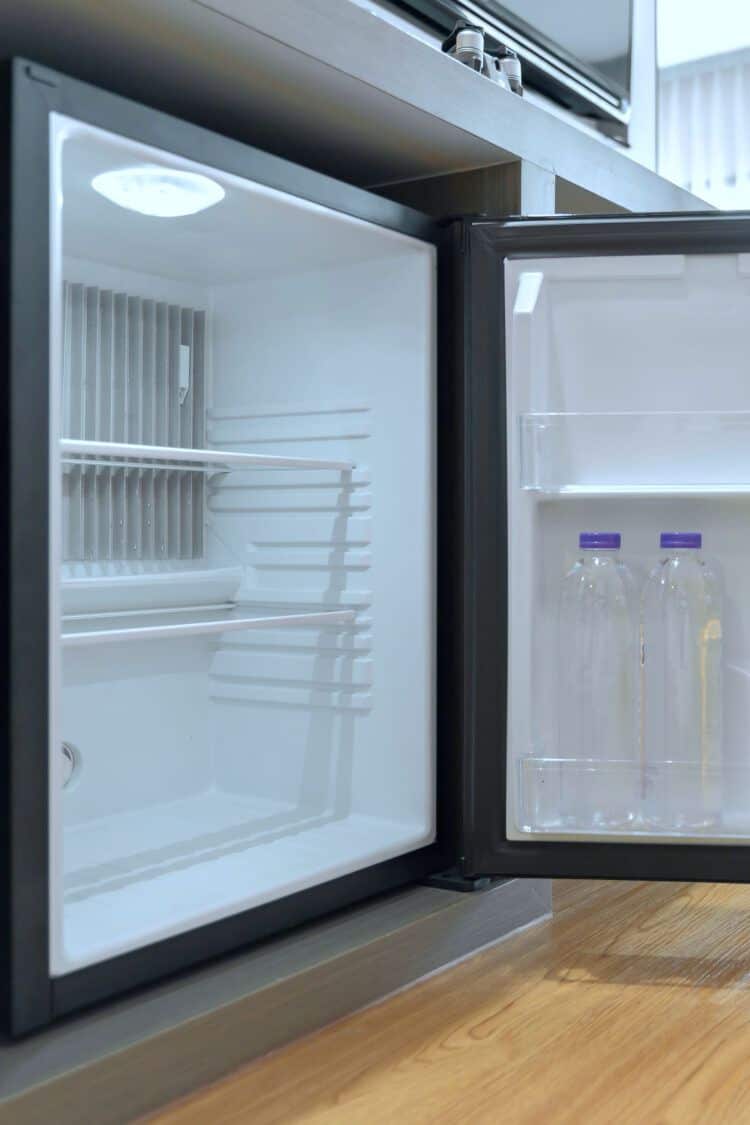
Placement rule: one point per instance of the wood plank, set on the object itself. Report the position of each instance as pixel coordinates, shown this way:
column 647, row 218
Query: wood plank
column 514, row 188
column 632, row 1006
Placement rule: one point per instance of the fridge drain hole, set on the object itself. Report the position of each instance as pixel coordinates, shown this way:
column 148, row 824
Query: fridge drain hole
column 71, row 764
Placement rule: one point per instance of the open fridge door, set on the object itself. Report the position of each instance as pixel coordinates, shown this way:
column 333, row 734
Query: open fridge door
column 609, row 528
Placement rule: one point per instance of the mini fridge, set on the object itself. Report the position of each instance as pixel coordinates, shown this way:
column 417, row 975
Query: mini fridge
column 292, row 474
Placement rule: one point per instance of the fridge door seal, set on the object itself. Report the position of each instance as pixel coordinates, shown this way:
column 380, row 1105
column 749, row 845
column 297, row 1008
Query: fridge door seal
column 29, row 997
column 481, row 369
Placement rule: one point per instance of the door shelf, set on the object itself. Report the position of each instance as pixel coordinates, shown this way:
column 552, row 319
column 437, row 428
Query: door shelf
column 571, row 491
column 114, row 628
column 636, row 454
column 112, row 455
column 574, row 798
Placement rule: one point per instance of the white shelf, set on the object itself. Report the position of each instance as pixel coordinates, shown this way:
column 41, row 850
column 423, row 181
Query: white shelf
column 571, row 491
column 117, row 628
column 659, row 453
column 109, row 588
column 113, row 454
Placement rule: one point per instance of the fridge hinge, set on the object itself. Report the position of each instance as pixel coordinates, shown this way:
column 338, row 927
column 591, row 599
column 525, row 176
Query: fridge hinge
column 453, row 879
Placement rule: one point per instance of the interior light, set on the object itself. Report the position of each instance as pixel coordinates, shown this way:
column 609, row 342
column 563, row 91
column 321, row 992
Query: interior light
column 165, row 193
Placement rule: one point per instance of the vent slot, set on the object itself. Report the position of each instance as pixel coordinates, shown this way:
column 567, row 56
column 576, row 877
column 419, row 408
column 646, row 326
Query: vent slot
column 133, row 371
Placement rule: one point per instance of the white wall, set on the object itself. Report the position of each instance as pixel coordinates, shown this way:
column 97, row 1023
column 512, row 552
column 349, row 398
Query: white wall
column 685, row 33
column 704, row 139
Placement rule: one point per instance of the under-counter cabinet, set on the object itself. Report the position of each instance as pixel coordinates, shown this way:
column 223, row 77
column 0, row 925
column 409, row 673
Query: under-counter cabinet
column 291, row 478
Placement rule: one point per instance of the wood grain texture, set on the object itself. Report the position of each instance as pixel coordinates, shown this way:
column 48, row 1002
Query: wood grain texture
column 514, row 188
column 113, row 1063
column 631, row 1006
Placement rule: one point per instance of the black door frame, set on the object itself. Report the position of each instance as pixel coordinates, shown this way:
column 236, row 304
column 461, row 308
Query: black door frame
column 486, row 849
column 29, row 996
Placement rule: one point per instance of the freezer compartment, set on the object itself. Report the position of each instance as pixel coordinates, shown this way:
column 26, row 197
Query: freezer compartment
column 243, row 444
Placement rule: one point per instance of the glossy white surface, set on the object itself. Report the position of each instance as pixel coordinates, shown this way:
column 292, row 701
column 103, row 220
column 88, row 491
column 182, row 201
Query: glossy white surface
column 248, row 684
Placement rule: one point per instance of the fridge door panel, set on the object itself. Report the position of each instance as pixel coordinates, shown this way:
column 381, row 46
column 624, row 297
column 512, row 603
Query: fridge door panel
column 617, row 373
column 242, row 536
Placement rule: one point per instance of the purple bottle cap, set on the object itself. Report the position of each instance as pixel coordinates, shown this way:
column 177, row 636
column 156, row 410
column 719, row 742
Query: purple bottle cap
column 603, row 540
column 675, row 539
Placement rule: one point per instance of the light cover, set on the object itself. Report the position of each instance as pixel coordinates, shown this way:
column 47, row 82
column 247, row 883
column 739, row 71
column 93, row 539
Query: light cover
column 165, row 193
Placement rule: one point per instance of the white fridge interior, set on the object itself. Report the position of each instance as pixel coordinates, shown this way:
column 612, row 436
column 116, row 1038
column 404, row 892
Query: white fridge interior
column 628, row 410
column 242, row 515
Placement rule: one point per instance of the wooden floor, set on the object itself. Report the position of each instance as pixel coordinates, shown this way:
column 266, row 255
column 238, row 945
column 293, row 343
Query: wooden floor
column 631, row 1006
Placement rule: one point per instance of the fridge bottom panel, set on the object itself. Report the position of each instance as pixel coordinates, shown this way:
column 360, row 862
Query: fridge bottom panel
column 215, row 853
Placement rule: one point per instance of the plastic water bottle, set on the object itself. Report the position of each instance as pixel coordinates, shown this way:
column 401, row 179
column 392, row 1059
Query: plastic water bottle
column 682, row 689
column 598, row 688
